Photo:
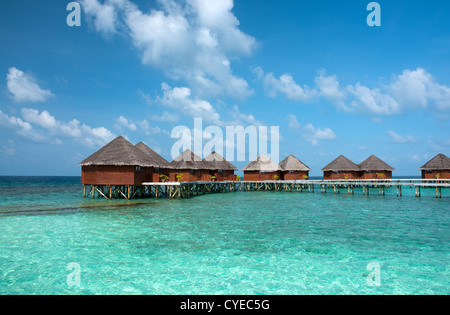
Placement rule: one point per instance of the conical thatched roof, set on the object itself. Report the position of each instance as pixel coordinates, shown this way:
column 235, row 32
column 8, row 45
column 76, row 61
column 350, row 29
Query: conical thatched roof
column 373, row 163
column 118, row 152
column 262, row 164
column 341, row 163
column 188, row 160
column 154, row 158
column 439, row 162
column 291, row 163
column 217, row 162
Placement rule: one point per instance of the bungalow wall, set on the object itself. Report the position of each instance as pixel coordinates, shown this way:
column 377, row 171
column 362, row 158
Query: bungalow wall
column 341, row 175
column 443, row 174
column 152, row 174
column 295, row 175
column 376, row 175
column 223, row 175
column 188, row 176
column 112, row 175
column 256, row 176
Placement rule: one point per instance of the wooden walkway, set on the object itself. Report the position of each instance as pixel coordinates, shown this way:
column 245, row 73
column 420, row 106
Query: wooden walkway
column 176, row 190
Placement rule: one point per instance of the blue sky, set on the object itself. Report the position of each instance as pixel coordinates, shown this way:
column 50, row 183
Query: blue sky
column 331, row 83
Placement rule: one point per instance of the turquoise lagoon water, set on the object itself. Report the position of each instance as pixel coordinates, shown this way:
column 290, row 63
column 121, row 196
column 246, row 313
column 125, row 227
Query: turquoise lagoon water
column 236, row 243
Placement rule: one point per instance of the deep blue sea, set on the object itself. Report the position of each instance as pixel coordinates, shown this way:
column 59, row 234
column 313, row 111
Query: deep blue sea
column 53, row 241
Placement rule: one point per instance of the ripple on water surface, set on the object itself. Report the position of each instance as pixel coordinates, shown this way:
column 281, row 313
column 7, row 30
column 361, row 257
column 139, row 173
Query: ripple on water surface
column 240, row 243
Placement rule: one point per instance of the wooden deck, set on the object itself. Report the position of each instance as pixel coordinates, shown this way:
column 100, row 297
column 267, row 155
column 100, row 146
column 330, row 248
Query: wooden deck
column 176, row 190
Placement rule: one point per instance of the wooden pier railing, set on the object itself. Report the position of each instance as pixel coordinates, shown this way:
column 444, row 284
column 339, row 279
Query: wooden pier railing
column 176, row 190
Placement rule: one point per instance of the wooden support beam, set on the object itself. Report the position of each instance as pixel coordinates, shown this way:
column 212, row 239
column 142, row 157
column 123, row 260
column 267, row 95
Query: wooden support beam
column 101, row 193
column 119, row 190
column 438, row 192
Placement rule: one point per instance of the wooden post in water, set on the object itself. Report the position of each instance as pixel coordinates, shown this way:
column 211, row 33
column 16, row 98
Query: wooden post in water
column 399, row 191
column 365, row 190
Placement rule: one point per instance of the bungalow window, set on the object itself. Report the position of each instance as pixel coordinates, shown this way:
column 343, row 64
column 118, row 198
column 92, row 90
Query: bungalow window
column 429, row 171
column 291, row 172
column 368, row 172
column 192, row 172
column 335, row 172
column 157, row 170
column 138, row 169
column 220, row 172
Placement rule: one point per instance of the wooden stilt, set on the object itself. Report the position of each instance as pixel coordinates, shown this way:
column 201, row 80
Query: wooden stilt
column 100, row 192
column 192, row 189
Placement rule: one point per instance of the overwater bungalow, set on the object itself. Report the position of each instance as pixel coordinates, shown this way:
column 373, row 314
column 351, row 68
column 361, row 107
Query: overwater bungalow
column 117, row 163
column 221, row 169
column 189, row 167
column 262, row 169
column 341, row 168
column 437, row 168
column 294, row 169
column 375, row 168
column 159, row 165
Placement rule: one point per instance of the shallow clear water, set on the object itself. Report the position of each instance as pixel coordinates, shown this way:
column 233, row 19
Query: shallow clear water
column 236, row 243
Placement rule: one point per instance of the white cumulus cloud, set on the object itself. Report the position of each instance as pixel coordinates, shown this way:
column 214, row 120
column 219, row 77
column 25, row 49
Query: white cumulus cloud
column 314, row 135
column 284, row 85
column 192, row 40
column 408, row 91
column 20, row 126
column 24, row 87
column 124, row 122
column 396, row 138
column 43, row 127
column 293, row 122
column 418, row 88
column 166, row 117
column 143, row 126
column 309, row 132
column 372, row 101
column 180, row 99
column 104, row 16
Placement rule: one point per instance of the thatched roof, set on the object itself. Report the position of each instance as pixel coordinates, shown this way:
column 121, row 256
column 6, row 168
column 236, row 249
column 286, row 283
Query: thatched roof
column 188, row 160
column 439, row 162
column 373, row 163
column 154, row 158
column 118, row 152
column 291, row 163
column 262, row 164
column 341, row 163
column 217, row 162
